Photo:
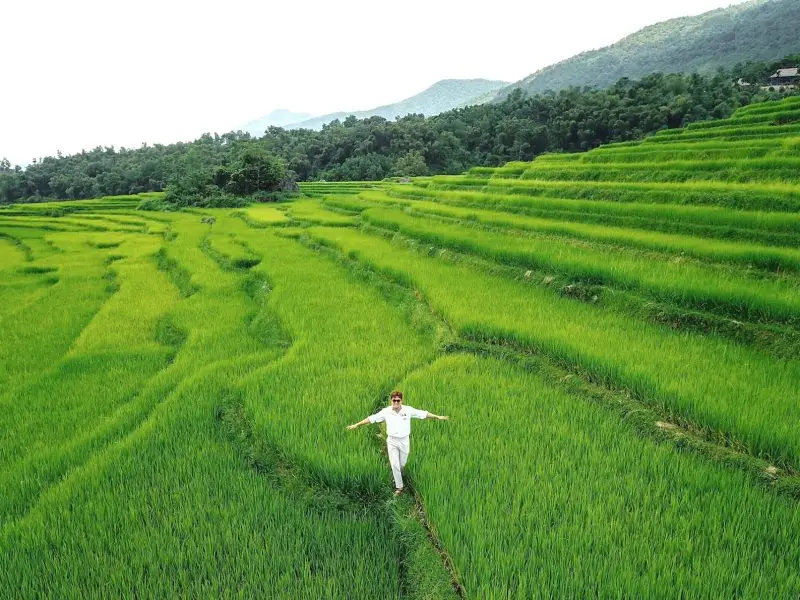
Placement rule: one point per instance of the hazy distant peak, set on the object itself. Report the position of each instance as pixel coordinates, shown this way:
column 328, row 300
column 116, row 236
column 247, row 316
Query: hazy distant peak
column 280, row 117
column 442, row 96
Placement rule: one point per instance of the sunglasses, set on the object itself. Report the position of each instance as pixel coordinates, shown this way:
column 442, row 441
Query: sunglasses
column 397, row 399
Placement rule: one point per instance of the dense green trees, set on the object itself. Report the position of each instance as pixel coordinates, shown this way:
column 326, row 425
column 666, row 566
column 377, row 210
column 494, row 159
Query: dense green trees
column 517, row 129
column 214, row 175
column 214, row 167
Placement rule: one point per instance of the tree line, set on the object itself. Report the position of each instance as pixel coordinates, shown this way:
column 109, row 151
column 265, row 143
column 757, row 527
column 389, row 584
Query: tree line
column 216, row 169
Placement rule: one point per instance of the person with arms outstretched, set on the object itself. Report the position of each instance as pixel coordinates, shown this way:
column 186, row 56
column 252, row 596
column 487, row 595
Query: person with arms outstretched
column 398, row 429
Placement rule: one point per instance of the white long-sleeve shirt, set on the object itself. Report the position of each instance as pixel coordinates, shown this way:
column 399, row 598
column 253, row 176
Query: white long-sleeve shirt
column 398, row 424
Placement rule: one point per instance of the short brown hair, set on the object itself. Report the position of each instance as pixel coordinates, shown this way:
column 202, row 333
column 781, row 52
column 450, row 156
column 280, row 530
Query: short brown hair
column 397, row 394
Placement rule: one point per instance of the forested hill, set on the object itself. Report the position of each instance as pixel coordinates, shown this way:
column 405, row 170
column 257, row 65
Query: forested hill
column 760, row 30
column 490, row 134
column 441, row 96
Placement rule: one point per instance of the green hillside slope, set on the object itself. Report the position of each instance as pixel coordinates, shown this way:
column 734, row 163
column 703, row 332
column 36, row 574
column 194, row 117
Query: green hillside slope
column 757, row 30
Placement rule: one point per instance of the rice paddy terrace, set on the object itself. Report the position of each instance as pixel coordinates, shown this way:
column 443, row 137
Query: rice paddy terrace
column 614, row 335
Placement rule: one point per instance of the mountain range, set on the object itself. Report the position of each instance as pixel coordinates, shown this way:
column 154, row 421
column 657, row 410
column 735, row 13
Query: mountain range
column 758, row 30
column 441, row 96
column 277, row 118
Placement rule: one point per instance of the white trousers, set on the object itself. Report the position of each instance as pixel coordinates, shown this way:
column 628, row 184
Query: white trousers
column 398, row 449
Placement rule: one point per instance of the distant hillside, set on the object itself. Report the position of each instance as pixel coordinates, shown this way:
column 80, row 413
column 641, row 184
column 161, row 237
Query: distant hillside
column 441, row 96
column 753, row 31
column 278, row 118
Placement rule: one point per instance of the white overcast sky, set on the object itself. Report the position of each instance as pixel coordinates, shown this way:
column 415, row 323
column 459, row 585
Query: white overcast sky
column 82, row 73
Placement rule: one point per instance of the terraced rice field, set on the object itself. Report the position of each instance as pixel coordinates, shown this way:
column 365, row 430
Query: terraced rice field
column 614, row 335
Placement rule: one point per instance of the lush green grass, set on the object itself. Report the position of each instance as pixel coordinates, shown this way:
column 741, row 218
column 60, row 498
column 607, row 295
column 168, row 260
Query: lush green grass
column 778, row 117
column 328, row 343
column 118, row 344
column 566, row 499
column 264, row 214
column 43, row 314
column 705, row 221
column 746, row 196
column 682, row 281
column 349, row 348
column 698, row 151
column 618, row 359
column 731, row 133
column 184, row 516
column 725, row 386
column 311, row 211
column 12, row 254
column 769, row 169
column 765, row 107
column 766, row 257
column 322, row 188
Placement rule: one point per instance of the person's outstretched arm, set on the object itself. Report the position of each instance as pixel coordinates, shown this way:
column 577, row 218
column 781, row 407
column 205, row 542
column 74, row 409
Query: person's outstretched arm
column 378, row 417
column 439, row 417
column 425, row 414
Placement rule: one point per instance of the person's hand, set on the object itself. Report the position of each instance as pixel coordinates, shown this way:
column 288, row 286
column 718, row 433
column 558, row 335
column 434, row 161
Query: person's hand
column 443, row 418
column 349, row 427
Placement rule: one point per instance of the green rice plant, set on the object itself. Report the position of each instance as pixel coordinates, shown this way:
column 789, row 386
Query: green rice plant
column 790, row 147
column 768, row 107
column 115, row 217
column 55, row 416
column 780, row 117
column 35, row 335
column 229, row 251
column 104, row 224
column 30, row 240
column 312, row 211
column 179, row 275
column 21, row 283
column 127, row 320
column 566, row 498
column 769, row 169
column 46, row 224
column 510, row 170
column 184, row 515
column 59, row 208
column 12, row 255
column 709, row 221
column 349, row 347
column 665, row 278
column 723, row 134
column 263, row 214
column 643, row 147
column 174, row 403
column 681, row 152
column 766, row 257
column 117, row 344
column 483, row 172
column 317, row 188
column 557, row 157
column 728, row 388
column 778, row 197
column 147, row 216
column 70, row 223
column 347, row 203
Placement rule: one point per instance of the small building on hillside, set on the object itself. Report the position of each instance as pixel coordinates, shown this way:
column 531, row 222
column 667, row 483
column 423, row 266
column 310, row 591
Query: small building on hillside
column 785, row 77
